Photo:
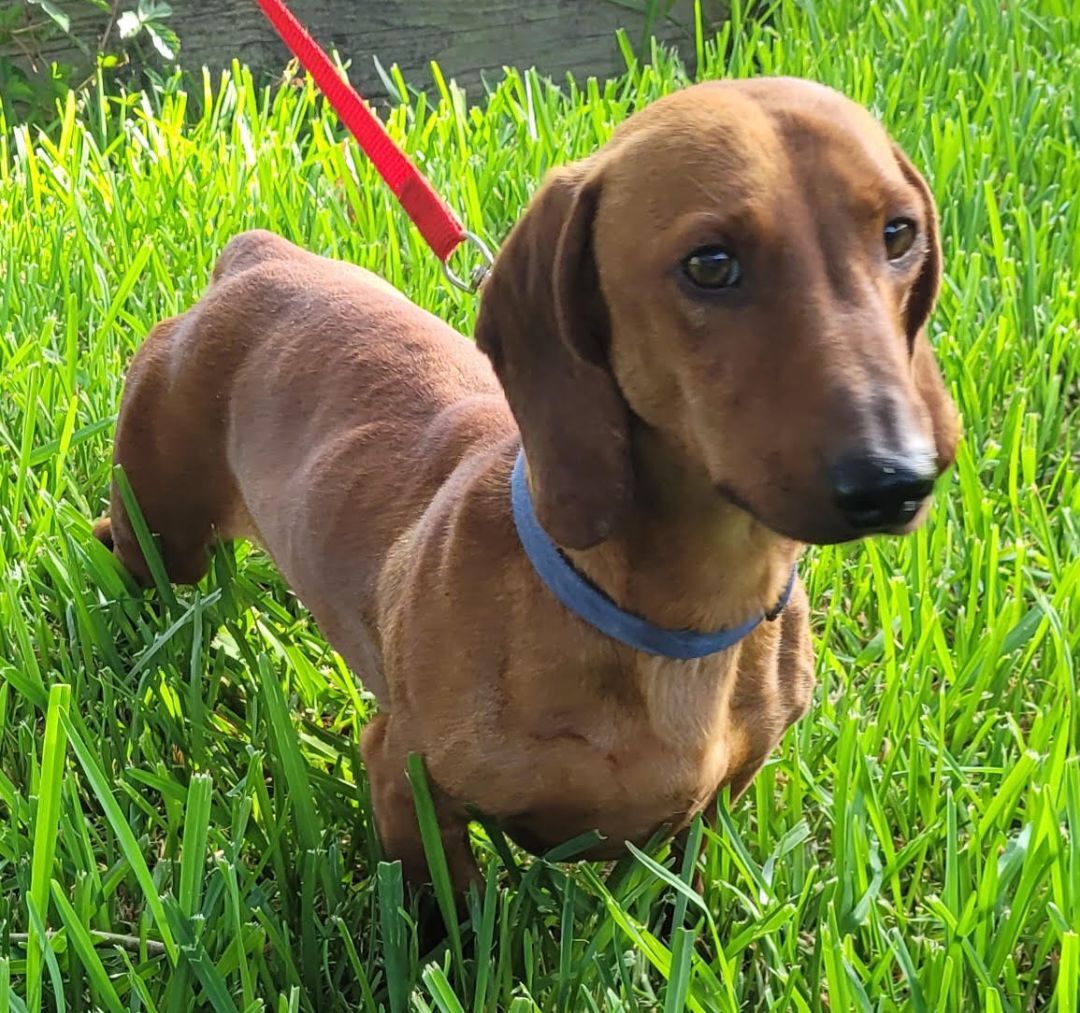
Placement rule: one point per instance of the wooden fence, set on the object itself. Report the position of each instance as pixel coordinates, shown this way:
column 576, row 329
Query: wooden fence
column 467, row 39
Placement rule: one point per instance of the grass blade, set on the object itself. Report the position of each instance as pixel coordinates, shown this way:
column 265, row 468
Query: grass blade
column 436, row 856
column 50, row 790
column 83, row 945
column 125, row 838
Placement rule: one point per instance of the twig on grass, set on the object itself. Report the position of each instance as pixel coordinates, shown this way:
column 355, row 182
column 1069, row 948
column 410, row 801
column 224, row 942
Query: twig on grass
column 133, row 944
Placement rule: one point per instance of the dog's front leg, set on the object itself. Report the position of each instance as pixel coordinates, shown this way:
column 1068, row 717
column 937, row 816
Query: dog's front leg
column 395, row 813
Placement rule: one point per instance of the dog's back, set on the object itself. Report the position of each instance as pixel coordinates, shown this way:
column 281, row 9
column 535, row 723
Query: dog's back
column 353, row 403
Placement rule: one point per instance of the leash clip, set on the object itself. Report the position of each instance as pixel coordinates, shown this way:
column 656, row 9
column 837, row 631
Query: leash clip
column 478, row 274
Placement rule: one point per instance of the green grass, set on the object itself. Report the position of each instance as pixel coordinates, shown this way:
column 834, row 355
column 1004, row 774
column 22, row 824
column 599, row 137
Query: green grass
column 184, row 814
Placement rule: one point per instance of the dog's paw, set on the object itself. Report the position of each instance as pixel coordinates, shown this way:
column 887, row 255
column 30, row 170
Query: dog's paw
column 103, row 532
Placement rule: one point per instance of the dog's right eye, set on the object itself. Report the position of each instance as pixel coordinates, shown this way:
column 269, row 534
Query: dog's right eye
column 712, row 267
column 899, row 237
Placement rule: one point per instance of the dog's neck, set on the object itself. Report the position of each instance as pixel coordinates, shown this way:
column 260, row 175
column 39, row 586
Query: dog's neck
column 686, row 557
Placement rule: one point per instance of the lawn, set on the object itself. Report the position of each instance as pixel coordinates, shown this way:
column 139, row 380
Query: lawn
column 184, row 814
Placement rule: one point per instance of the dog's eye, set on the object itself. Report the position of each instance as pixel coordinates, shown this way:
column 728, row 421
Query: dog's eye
column 899, row 235
column 712, row 267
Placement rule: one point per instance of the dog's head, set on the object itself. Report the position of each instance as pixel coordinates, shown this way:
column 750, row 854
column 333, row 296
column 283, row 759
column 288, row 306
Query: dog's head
column 746, row 268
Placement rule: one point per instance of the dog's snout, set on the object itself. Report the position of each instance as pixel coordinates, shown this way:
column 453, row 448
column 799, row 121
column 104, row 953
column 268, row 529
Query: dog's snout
column 880, row 491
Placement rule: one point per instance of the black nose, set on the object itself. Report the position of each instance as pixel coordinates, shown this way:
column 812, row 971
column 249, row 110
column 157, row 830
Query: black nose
column 881, row 491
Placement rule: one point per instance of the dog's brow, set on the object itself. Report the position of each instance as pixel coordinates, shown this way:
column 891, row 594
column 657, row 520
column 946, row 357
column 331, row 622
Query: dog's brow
column 878, row 198
column 741, row 206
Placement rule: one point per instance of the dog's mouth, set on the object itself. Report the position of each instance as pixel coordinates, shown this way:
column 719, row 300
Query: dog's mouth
column 740, row 502
column 831, row 526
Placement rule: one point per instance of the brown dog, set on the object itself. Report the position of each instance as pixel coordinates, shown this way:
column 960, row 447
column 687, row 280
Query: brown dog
column 709, row 339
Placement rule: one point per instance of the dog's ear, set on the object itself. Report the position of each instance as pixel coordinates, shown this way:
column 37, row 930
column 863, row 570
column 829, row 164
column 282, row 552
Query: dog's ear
column 544, row 324
column 924, row 292
column 944, row 419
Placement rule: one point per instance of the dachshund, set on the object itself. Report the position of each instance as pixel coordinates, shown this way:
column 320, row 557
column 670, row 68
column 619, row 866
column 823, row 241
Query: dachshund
column 562, row 556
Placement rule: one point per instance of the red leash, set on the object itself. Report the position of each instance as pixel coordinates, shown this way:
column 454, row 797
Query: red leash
column 433, row 218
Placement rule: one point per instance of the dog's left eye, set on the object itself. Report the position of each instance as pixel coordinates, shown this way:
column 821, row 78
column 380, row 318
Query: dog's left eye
column 899, row 236
column 712, row 267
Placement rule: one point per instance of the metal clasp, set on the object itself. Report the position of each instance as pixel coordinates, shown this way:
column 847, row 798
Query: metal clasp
column 478, row 273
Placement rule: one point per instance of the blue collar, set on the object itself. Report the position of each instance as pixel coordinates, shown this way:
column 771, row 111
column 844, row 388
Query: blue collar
column 589, row 603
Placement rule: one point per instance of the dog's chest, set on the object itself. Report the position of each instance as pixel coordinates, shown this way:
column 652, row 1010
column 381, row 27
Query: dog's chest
column 623, row 794
column 624, row 768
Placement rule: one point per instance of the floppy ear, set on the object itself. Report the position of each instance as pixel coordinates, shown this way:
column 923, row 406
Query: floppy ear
column 544, row 325
column 924, row 292
column 944, row 419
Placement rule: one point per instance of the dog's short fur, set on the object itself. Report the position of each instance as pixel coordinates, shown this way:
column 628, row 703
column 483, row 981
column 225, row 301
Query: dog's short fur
column 678, row 446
